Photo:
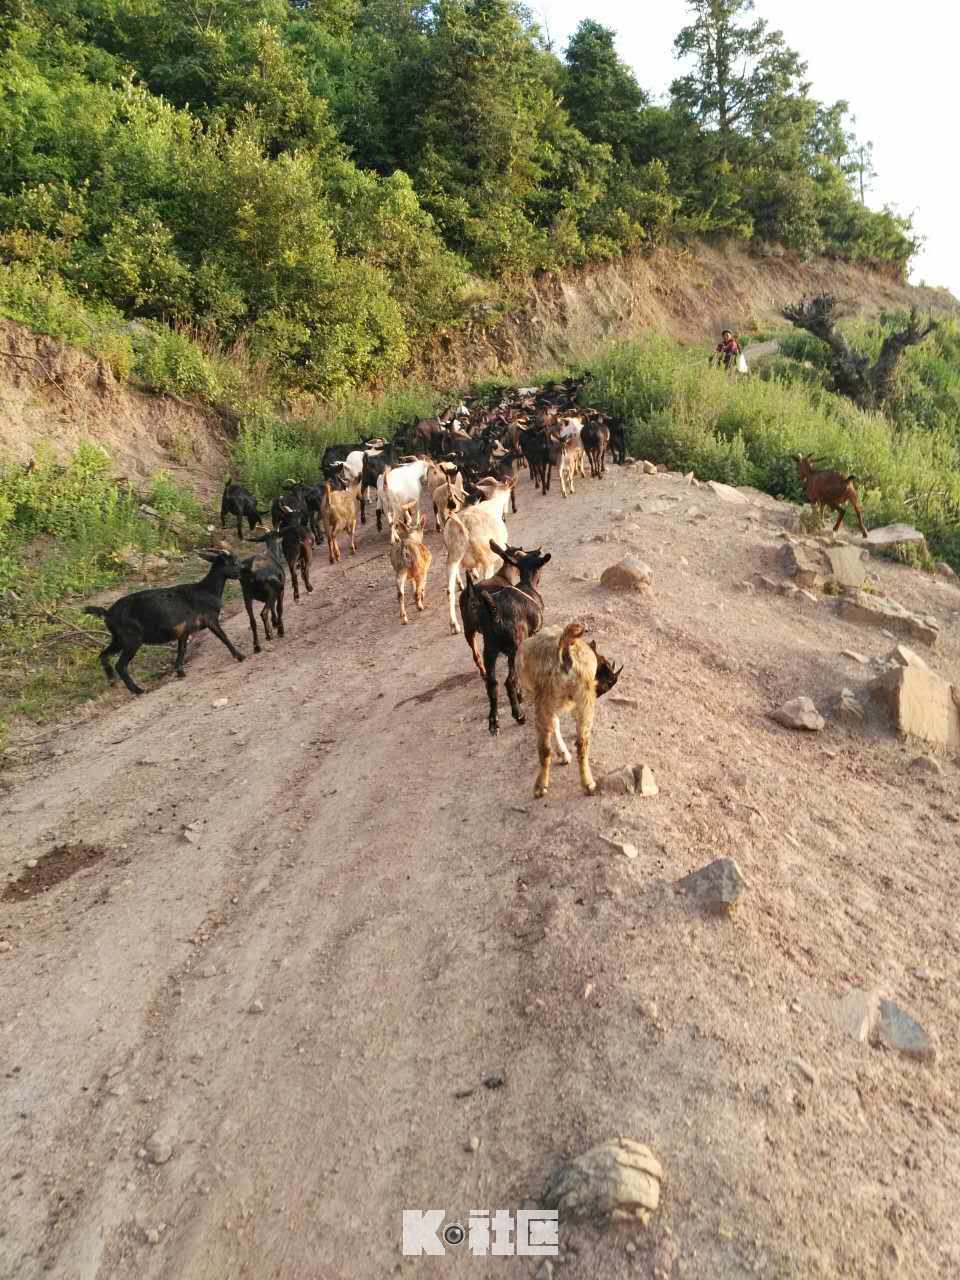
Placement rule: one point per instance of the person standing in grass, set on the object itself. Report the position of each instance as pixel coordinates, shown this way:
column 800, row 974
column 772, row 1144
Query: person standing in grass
column 727, row 351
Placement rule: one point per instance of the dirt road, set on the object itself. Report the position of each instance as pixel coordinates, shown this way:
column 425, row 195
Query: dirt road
column 369, row 912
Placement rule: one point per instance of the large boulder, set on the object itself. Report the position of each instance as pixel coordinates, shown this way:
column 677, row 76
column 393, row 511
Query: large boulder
column 727, row 493
column 629, row 574
column 921, row 704
column 617, row 1181
column 717, row 887
column 812, row 565
column 879, row 611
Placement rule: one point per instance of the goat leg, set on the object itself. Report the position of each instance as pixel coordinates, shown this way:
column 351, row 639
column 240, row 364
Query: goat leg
column 129, row 653
column 584, row 727
column 544, row 726
column 401, row 596
column 513, row 692
column 843, row 512
column 305, row 570
column 181, row 655
column 490, row 679
column 265, row 619
column 214, row 626
column 105, row 655
column 248, row 601
column 563, row 751
column 451, row 585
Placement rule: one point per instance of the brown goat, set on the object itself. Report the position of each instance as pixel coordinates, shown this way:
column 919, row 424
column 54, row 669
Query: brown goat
column 829, row 489
column 562, row 672
column 338, row 511
column 411, row 558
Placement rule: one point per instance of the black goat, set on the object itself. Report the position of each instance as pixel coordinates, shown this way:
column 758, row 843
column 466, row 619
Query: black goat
column 162, row 614
column 471, row 606
column 297, row 542
column 535, row 447
column 240, row 502
column 595, row 438
column 299, row 499
column 508, row 615
column 262, row 578
column 618, row 442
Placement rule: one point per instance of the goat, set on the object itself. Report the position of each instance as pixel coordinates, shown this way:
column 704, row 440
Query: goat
column 536, row 449
column 562, row 672
column 411, row 558
column 467, row 537
column 297, row 543
column 262, row 578
column 829, row 489
column 565, row 454
column 448, row 496
column 618, row 442
column 398, row 487
column 240, row 502
column 508, row 615
column 161, row 614
column 595, row 438
column 471, row 607
column 338, row 511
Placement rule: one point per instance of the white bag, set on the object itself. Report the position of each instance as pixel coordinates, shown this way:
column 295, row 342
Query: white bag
column 742, row 366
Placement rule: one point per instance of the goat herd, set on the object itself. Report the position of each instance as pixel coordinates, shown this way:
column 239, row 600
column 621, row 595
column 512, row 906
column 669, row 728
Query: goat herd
column 464, row 464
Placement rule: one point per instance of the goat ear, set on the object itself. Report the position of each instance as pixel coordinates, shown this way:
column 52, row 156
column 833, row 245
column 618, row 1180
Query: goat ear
column 209, row 556
column 544, row 559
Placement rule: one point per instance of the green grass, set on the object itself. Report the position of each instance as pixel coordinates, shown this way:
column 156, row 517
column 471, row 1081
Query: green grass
column 744, row 431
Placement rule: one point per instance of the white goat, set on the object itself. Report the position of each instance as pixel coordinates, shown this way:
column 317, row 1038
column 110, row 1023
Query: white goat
column 467, row 537
column 404, row 486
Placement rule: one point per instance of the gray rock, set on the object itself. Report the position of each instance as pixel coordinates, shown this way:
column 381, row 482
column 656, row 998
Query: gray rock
column 717, row 887
column 255, row 1006
column 878, row 611
column 902, row 656
column 630, row 574
column 799, row 713
column 892, row 535
column 619, row 783
column 544, row 1271
column 472, row 1144
column 617, row 1181
column 493, row 1080
column 727, row 493
column 926, row 764
column 847, row 564
column 158, row 1148
column 897, row 1030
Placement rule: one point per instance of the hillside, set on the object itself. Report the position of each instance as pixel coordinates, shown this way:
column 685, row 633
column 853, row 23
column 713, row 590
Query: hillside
column 315, row 902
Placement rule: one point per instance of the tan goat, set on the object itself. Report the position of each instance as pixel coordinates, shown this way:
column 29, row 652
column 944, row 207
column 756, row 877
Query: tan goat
column 411, row 558
column 562, row 672
column 338, row 512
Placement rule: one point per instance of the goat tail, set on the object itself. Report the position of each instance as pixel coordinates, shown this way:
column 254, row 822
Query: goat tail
column 572, row 631
column 95, row 611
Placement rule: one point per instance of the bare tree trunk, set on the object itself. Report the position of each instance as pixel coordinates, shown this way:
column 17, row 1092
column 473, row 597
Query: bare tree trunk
column 869, row 386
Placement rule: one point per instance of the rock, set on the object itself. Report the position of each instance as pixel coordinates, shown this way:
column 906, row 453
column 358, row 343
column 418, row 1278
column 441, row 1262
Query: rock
column 788, row 588
column 649, row 468
column 5, row 946
column 657, row 507
column 854, row 656
column 619, row 783
column 619, row 701
column 901, row 656
column 631, row 574
column 694, row 513
column 727, row 493
column 855, row 1013
column 646, row 782
column 799, row 713
column 31, row 863
column 768, row 584
column 691, row 480
column 151, row 1235
column 892, row 535
column 472, row 1144
column 847, row 706
column 920, row 704
column 255, row 1006
column 847, row 564
column 813, row 567
column 897, row 1030
column 945, row 570
column 718, row 886
column 544, row 1271
column 158, row 1148
column 922, row 764
column 617, row 1181
column 809, row 597
column 878, row 611
column 493, row 1080
column 622, row 846
column 220, row 702
column 208, row 971
column 809, row 1074
column 803, row 565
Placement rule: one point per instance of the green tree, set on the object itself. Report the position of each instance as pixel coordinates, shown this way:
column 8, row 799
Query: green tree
column 600, row 92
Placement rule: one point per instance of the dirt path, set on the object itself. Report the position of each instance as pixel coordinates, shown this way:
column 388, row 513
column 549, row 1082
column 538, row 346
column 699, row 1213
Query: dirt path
column 372, row 912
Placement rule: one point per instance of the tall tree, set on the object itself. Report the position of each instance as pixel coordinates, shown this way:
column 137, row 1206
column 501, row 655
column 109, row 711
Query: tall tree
column 739, row 66
column 601, row 92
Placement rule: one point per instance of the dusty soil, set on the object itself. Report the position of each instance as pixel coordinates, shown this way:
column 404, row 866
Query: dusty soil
column 330, row 906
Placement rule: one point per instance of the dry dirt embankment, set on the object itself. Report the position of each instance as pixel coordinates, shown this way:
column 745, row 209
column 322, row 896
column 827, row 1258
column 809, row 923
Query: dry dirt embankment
column 326, row 907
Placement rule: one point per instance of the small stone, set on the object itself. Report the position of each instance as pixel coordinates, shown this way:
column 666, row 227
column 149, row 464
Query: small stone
column 854, row 656
column 691, row 480
column 189, row 836
column 809, row 597
column 945, row 570
column 472, row 1144
column 218, row 703
column 897, row 1030
column 617, row 1181
column 630, row 1247
column 926, row 764
column 847, row 706
column 158, row 1148
column 788, row 589
column 5, row 946
column 809, row 1073
column 31, row 863
column 630, row 574
column 718, row 886
column 619, row 701
column 255, row 1006
column 621, row 782
column 799, row 713
column 544, row 1271
column 727, row 493
column 493, row 1080
column 649, row 468
column 645, row 781
column 208, row 971
column 768, row 584
column 893, row 535
column 467, row 1091
column 151, row 1235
